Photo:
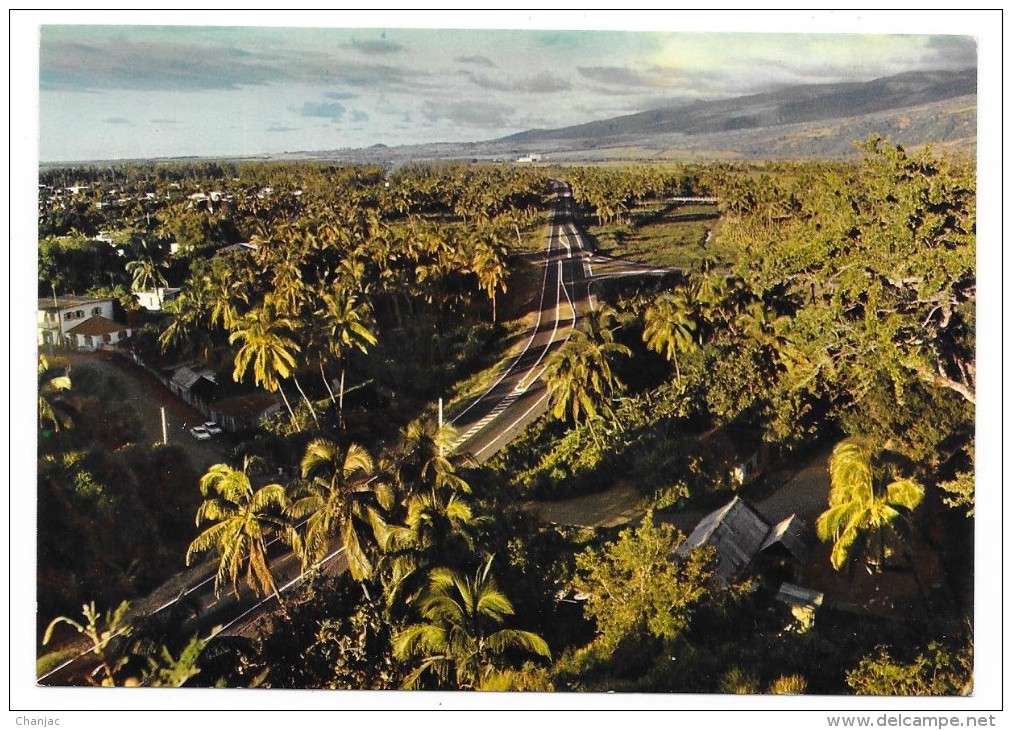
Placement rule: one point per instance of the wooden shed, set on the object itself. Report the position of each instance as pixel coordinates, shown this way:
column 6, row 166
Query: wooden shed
column 746, row 542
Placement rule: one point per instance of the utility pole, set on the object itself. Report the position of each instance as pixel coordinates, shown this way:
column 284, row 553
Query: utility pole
column 58, row 335
column 440, row 426
column 165, row 429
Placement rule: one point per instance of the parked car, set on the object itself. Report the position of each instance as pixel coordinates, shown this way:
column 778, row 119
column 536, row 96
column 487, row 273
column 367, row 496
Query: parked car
column 213, row 428
column 200, row 433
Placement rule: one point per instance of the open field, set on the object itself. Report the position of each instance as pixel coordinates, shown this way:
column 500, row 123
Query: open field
column 672, row 235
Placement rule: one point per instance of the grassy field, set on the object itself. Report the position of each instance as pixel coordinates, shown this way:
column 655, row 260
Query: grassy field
column 665, row 234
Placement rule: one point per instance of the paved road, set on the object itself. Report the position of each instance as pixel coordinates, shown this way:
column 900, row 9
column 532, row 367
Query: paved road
column 518, row 396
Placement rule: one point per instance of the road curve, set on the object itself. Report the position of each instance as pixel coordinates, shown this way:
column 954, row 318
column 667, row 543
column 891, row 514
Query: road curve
column 519, row 395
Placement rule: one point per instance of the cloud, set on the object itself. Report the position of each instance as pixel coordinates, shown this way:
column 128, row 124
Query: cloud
column 320, row 78
column 368, row 75
column 563, row 38
column 149, row 58
column 375, row 48
column 324, row 109
column 476, row 61
column 613, row 75
column 146, row 66
column 542, row 83
column 952, row 51
column 468, row 114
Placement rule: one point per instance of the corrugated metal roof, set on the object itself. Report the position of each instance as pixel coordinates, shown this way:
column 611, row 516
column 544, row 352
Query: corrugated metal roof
column 791, row 533
column 795, row 595
column 46, row 303
column 184, row 377
column 736, row 531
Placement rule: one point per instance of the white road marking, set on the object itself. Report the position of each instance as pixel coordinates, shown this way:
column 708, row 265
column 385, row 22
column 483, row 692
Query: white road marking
column 294, row 581
column 154, row 611
column 553, row 232
column 540, row 400
column 521, row 387
column 511, row 398
column 518, row 420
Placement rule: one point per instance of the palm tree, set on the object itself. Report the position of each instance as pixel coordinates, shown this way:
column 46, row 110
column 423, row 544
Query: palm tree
column 863, row 498
column 267, row 346
column 225, row 295
column 243, row 522
column 53, row 384
column 602, row 322
column 459, row 637
column 519, row 218
column 773, row 334
column 713, row 295
column 146, row 272
column 341, row 495
column 426, row 459
column 488, row 262
column 439, row 528
column 579, row 377
column 346, row 320
column 184, row 325
column 668, row 327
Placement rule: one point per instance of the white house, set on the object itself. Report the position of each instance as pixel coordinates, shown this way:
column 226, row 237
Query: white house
column 58, row 315
column 96, row 331
column 153, row 300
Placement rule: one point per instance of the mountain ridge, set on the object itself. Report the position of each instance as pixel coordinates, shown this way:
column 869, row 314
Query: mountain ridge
column 814, row 121
column 787, row 105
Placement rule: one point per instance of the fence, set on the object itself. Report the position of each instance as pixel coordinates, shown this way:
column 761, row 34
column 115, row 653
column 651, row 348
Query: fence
column 228, row 421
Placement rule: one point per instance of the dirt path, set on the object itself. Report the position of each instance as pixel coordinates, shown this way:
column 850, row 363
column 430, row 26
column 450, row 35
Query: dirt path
column 616, row 506
column 804, row 494
column 147, row 395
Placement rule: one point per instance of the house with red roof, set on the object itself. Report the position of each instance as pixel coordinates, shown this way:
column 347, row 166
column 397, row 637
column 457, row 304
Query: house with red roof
column 95, row 332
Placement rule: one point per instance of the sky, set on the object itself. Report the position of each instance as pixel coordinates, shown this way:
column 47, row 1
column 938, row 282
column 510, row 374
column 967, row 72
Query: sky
column 128, row 90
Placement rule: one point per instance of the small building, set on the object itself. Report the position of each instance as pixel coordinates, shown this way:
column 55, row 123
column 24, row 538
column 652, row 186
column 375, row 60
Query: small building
column 529, row 158
column 803, row 603
column 245, row 411
column 192, row 384
column 745, row 542
column 58, row 315
column 243, row 247
column 736, row 455
column 153, row 300
column 94, row 332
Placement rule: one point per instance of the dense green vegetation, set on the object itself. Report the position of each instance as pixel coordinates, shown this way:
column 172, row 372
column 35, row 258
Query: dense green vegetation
column 107, row 531
column 819, row 303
